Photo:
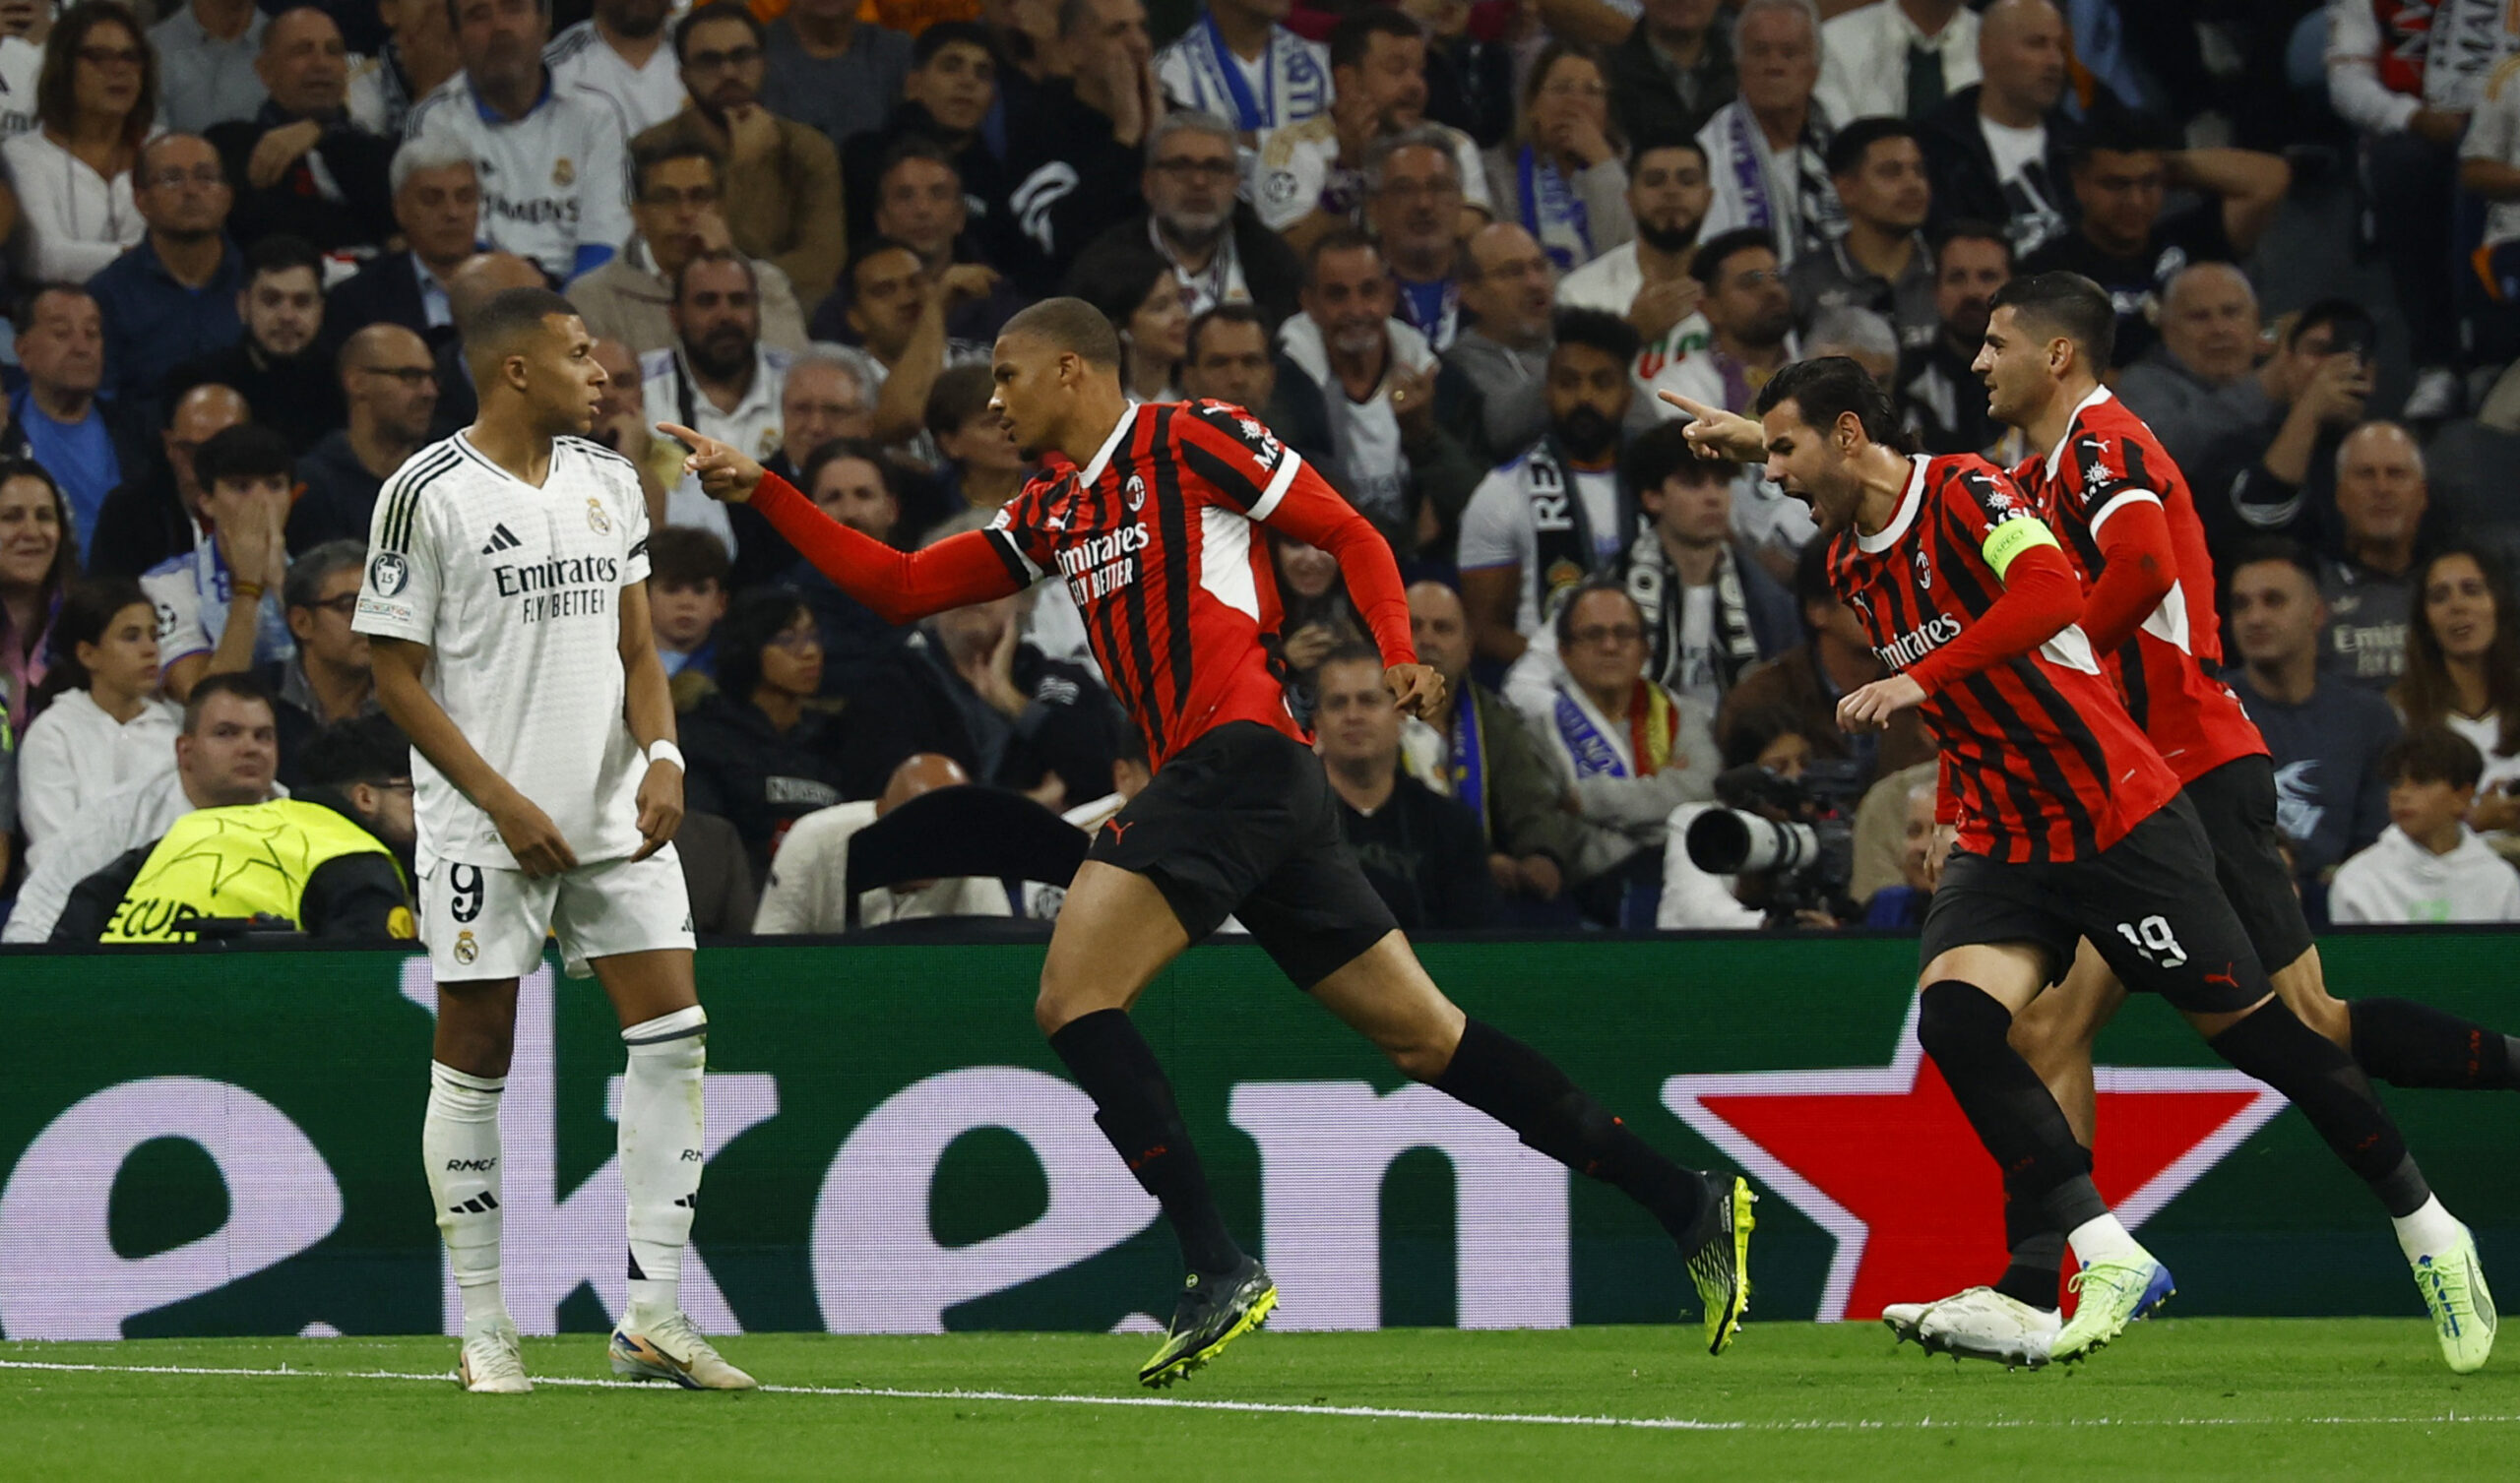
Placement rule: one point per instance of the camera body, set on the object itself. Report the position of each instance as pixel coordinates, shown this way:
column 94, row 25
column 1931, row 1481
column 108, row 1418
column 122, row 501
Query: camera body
column 1797, row 833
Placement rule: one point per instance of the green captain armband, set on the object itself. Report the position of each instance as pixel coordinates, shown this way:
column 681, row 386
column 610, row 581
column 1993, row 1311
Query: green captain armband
column 2011, row 537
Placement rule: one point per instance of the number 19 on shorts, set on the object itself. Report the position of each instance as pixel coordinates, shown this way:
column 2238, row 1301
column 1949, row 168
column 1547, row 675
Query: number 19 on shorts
column 2152, row 937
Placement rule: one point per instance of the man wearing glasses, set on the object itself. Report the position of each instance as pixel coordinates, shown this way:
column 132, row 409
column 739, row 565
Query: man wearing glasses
column 390, row 382
column 328, row 681
column 680, row 211
column 1217, row 245
column 173, row 297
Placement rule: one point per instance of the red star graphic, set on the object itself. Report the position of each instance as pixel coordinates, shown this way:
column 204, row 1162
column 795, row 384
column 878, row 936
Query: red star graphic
column 1881, row 1158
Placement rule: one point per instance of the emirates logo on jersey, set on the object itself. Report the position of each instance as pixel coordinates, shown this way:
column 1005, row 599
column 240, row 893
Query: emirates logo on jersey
column 1917, row 642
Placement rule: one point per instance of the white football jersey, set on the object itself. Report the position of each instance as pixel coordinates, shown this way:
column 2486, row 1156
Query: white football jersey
column 646, row 95
column 517, row 590
column 21, row 61
column 553, row 183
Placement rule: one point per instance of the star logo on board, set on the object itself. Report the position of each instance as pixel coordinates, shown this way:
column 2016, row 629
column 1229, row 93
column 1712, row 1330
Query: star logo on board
column 1881, row 1158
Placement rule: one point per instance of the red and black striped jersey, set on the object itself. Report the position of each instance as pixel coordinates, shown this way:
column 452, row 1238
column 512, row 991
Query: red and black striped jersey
column 1157, row 541
column 2040, row 760
column 2106, row 461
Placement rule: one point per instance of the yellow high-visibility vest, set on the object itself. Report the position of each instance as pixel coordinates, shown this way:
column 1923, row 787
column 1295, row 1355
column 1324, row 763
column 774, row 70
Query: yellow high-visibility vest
column 255, row 858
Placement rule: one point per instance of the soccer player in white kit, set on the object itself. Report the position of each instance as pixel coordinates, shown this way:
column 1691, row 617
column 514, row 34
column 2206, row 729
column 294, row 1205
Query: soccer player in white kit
column 505, row 595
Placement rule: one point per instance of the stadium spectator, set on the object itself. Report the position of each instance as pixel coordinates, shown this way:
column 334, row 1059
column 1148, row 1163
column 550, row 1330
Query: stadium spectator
column 923, row 203
column 850, row 480
column 1902, row 907
column 1136, row 289
column 718, row 377
column 1421, row 850
column 715, row 873
column 279, row 364
column 619, row 54
column 1942, row 399
column 437, row 206
column 1765, row 150
column 829, row 70
column 413, row 61
column 39, row 562
column 983, row 468
column 677, row 205
column 1525, row 545
column 1673, row 70
column 1503, row 351
column 1695, row 900
column 391, row 386
column 1310, row 177
column 1896, row 58
column 1998, row 150
column 2121, row 239
column 2195, row 385
column 554, row 187
column 74, row 178
column 1413, row 210
column 2429, row 868
column 621, row 424
column 1470, row 76
column 1215, row 241
column 1881, row 828
column 1073, row 150
column 949, row 95
column 1564, row 177
column 2369, row 582
column 2318, row 384
column 1647, row 279
column 687, row 575
column 328, row 679
column 1881, row 263
column 901, row 313
column 783, row 185
column 205, row 55
column 157, row 513
column 808, row 889
column 105, row 723
column 225, row 755
column 2376, row 64
column 1627, row 750
column 1834, row 660
column 1228, row 358
column 825, row 396
column 1711, row 611
column 2326, row 737
column 1749, row 319
column 89, row 445
column 298, row 165
column 219, row 604
column 2463, row 673
column 1861, row 336
column 1239, row 63
column 1039, row 725
column 178, row 295
column 1363, row 386
column 1318, row 617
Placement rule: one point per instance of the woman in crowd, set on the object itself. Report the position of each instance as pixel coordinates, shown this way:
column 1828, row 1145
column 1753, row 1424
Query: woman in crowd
column 106, row 725
column 1137, row 293
column 1563, row 175
column 97, row 100
column 37, row 561
column 2463, row 673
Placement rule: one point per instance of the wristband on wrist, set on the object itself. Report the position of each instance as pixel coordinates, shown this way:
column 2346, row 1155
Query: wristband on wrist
column 665, row 751
column 249, row 590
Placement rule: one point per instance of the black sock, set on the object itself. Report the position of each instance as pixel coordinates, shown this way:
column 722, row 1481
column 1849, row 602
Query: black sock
column 2409, row 1045
column 2015, row 1115
column 2038, row 1253
column 2273, row 1045
column 1133, row 1104
column 1525, row 1090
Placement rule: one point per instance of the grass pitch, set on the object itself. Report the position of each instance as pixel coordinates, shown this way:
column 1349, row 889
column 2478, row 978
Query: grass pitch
column 2205, row 1398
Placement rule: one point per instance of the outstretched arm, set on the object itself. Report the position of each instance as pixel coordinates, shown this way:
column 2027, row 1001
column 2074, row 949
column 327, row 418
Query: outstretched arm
column 901, row 587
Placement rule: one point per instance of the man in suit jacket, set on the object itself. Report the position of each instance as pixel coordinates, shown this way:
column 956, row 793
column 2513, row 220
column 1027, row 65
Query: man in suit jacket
column 437, row 203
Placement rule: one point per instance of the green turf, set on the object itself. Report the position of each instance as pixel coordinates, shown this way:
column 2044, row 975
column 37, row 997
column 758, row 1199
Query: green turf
column 2206, row 1398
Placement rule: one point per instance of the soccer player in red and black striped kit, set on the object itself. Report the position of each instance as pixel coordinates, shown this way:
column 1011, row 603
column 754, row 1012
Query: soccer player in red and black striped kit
column 2127, row 518
column 2070, row 826
column 1150, row 514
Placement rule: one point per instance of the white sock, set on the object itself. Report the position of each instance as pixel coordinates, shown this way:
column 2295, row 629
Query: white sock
column 460, row 1143
column 2102, row 1239
column 2428, row 1232
column 661, row 1152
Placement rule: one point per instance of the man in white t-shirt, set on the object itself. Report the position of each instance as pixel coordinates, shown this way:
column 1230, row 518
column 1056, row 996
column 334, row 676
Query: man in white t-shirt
column 506, row 601
column 1647, row 279
column 555, row 184
column 621, row 53
column 718, row 376
column 1997, row 150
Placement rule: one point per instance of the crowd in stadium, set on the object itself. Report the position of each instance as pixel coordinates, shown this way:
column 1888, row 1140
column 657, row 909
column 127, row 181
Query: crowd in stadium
column 1446, row 251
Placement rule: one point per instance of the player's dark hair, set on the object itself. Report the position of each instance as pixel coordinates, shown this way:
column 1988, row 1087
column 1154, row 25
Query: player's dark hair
column 1852, row 143
column 1236, row 313
column 1353, row 36
column 697, row 260
column 1973, row 229
column 1069, row 324
column 2426, row 694
column 1708, row 264
column 940, row 34
column 87, row 612
column 686, row 556
column 243, row 684
column 649, row 156
column 1663, row 451
column 282, row 253
column 832, row 451
column 1598, row 329
column 961, row 392
column 368, row 749
column 2432, row 754
column 2066, row 304
column 1829, row 388
column 757, row 616
column 2276, row 548
column 1336, row 239
column 1604, row 582
column 247, row 450
column 511, row 313
column 716, row 10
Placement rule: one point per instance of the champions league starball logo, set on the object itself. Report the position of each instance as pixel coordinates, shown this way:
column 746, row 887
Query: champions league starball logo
column 388, row 573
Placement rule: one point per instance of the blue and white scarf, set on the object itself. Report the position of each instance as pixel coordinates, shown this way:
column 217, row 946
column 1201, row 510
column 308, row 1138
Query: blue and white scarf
column 1293, row 83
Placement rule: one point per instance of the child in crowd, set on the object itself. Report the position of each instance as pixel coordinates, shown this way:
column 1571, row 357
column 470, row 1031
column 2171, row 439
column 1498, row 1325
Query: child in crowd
column 2427, row 866
column 687, row 573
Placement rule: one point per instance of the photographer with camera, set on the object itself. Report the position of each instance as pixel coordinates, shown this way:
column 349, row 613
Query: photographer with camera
column 1777, row 847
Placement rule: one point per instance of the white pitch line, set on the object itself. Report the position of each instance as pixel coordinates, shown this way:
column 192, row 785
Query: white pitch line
column 1287, row 1408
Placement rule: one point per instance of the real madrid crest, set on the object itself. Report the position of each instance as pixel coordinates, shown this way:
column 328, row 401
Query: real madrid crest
column 465, row 949
column 564, row 173
column 596, row 520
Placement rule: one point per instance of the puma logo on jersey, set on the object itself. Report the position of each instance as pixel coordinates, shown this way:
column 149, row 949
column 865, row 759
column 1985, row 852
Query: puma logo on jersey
column 501, row 539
